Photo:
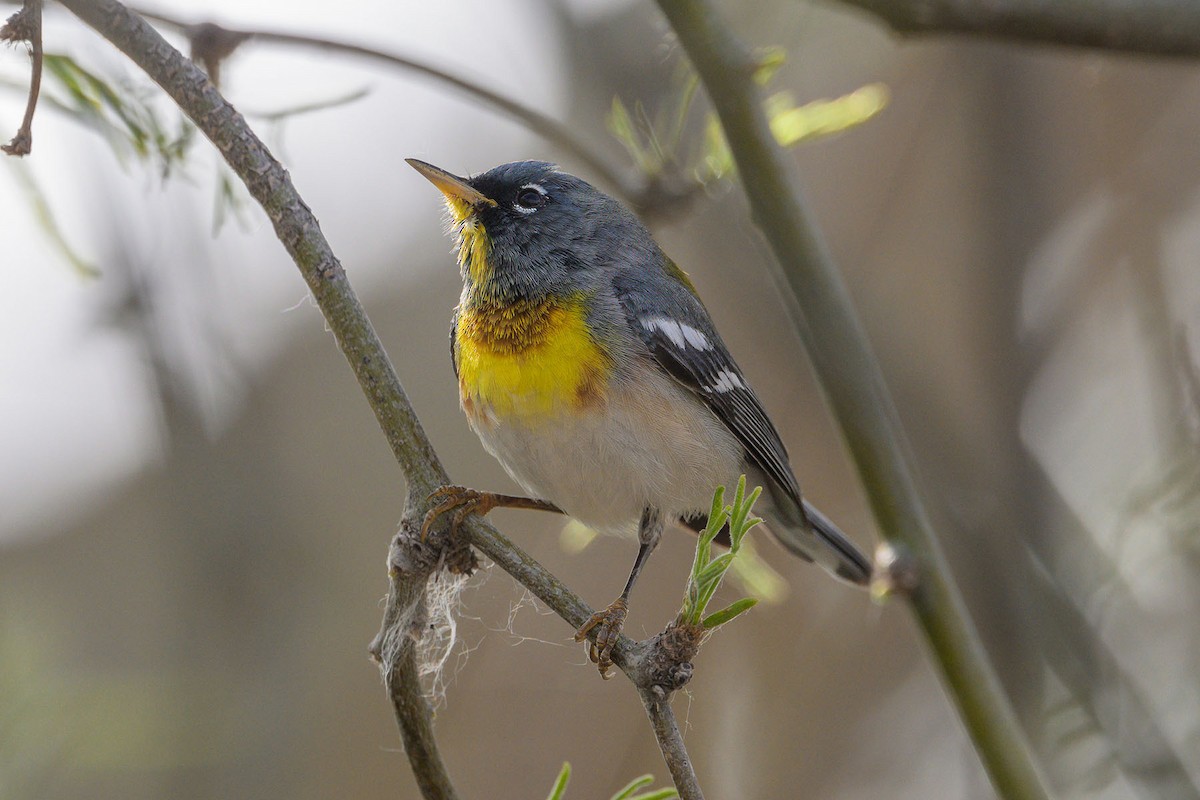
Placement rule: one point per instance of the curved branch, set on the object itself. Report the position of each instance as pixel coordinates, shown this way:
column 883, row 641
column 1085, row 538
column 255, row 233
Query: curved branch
column 298, row 230
column 214, row 42
column 823, row 315
column 1147, row 27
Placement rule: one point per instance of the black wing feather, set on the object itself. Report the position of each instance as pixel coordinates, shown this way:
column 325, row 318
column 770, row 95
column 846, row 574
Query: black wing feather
column 716, row 379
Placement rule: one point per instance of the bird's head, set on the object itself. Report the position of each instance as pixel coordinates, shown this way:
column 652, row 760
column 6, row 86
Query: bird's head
column 528, row 228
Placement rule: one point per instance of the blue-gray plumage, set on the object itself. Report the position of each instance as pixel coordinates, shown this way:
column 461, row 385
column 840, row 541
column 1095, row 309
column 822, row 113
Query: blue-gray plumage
column 660, row 416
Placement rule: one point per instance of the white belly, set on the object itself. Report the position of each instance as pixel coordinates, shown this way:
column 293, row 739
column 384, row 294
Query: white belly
column 661, row 447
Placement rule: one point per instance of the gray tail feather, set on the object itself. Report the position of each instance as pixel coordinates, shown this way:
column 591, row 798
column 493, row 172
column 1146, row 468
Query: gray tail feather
column 814, row 537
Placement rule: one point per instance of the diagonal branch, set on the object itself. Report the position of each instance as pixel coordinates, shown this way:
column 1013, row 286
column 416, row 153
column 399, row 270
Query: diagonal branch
column 822, row 312
column 1147, row 27
column 212, row 42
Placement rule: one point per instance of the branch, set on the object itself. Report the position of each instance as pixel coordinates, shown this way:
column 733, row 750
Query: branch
column 1148, row 27
column 211, row 43
column 666, row 730
column 822, row 312
column 26, row 26
column 298, row 230
column 411, row 561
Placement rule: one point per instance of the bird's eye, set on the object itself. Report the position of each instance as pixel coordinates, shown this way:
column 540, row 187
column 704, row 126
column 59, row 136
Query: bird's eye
column 530, row 198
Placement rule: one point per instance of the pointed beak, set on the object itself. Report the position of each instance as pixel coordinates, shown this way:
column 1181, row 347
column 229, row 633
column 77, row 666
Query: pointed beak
column 452, row 186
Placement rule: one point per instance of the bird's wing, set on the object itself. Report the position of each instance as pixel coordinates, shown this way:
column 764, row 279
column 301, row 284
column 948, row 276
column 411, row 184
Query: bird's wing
column 678, row 332
column 454, row 342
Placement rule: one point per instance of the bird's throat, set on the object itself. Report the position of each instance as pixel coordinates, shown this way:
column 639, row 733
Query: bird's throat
column 474, row 246
column 526, row 358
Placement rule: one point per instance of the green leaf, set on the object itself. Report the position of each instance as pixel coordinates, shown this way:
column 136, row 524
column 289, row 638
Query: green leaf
column 621, row 126
column 637, row 783
column 770, row 59
column 560, row 783
column 716, row 519
column 47, row 222
column 792, row 124
column 715, row 569
column 661, row 794
column 706, row 575
column 126, row 117
column 718, row 618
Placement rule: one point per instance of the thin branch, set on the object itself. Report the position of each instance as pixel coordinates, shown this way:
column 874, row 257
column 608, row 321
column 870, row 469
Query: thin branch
column 1147, row 27
column 212, row 42
column 298, row 230
column 26, row 26
column 823, row 315
column 411, row 561
column 394, row 649
column 411, row 709
column 666, row 730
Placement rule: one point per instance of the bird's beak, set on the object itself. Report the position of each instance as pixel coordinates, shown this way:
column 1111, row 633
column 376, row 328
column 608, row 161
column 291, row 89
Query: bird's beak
column 455, row 189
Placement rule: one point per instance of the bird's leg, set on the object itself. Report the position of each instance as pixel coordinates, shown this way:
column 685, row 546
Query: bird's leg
column 608, row 623
column 472, row 501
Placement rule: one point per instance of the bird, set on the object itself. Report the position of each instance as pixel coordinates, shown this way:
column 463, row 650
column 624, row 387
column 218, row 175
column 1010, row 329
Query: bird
column 591, row 370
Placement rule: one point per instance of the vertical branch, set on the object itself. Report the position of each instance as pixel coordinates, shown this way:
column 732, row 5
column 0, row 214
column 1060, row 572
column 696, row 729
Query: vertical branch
column 823, row 314
column 416, row 728
column 26, row 26
column 670, row 741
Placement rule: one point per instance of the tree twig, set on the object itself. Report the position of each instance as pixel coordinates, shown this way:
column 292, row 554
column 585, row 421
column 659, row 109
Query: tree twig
column 212, row 42
column 822, row 312
column 26, row 26
column 1147, row 27
column 666, row 730
column 298, row 230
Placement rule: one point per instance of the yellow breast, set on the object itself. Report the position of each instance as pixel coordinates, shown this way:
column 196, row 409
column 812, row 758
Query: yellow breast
column 528, row 359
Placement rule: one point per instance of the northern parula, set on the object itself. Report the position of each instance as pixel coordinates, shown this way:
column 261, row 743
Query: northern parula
column 590, row 369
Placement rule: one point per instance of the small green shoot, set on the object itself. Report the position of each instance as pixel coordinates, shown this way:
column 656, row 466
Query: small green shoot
column 560, row 783
column 656, row 143
column 707, row 572
column 626, row 793
column 792, row 124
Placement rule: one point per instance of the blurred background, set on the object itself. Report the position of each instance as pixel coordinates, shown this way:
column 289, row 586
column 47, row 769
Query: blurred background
column 196, row 502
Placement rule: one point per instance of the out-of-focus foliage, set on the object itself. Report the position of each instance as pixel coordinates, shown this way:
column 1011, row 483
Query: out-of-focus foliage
column 628, row 792
column 657, row 143
column 123, row 114
column 47, row 222
column 793, row 124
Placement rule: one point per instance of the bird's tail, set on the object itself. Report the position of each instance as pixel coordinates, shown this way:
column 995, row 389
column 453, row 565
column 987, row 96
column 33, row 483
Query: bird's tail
column 811, row 535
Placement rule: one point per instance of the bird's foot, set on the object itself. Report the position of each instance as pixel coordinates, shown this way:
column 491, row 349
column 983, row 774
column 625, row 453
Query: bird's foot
column 607, row 624
column 467, row 501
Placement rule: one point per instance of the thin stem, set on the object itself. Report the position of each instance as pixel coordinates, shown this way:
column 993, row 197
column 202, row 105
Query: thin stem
column 26, row 25
column 300, row 233
column 549, row 128
column 670, row 741
column 822, row 313
column 295, row 225
column 416, row 727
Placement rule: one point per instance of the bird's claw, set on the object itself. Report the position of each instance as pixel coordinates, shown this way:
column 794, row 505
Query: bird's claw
column 467, row 501
column 607, row 624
